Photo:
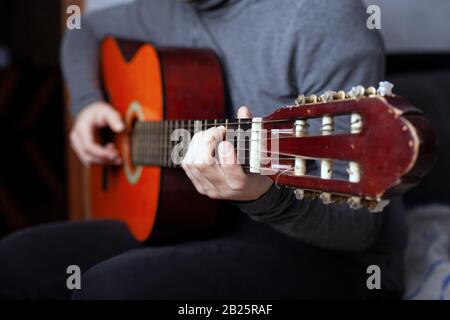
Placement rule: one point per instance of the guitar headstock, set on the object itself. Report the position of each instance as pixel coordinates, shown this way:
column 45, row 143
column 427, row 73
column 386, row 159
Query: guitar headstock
column 368, row 146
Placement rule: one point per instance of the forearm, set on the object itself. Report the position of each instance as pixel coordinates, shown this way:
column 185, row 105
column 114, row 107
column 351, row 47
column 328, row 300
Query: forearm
column 79, row 58
column 80, row 48
column 333, row 226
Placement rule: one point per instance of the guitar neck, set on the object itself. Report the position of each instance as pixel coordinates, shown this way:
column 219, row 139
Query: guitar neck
column 163, row 143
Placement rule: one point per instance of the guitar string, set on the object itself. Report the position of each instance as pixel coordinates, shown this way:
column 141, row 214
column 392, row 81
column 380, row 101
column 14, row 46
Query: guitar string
column 243, row 121
column 157, row 127
column 335, row 133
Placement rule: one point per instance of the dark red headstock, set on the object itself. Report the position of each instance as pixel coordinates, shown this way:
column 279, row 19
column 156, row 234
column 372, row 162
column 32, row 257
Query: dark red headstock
column 386, row 149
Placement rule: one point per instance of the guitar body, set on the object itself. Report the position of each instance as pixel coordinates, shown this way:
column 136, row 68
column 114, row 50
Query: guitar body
column 148, row 84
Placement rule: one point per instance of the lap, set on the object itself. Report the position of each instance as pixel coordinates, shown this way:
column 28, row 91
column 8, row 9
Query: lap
column 34, row 260
column 254, row 262
column 224, row 270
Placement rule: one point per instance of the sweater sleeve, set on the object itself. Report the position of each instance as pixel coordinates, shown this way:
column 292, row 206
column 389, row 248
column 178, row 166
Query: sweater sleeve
column 334, row 52
column 142, row 20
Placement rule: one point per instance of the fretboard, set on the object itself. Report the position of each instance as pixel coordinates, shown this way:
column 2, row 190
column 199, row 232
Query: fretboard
column 159, row 143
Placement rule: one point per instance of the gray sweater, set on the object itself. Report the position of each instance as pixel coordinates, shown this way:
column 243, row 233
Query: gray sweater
column 271, row 50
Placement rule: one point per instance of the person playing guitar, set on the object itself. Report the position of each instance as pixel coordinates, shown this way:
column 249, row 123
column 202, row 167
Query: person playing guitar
column 273, row 245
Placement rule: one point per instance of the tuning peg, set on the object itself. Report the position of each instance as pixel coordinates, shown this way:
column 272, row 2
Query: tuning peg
column 385, row 88
column 328, row 95
column 356, row 92
column 371, row 91
column 355, row 203
column 299, row 194
column 378, row 206
column 301, row 100
column 326, row 198
column 311, row 99
column 340, row 95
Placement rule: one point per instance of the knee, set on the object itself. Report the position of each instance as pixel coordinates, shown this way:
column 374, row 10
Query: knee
column 17, row 274
column 100, row 283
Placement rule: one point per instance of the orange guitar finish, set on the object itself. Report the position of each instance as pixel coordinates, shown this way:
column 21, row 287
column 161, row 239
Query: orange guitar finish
column 165, row 84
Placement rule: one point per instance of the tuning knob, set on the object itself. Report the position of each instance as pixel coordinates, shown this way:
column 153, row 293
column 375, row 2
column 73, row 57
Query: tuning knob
column 299, row 194
column 328, row 95
column 326, row 198
column 354, row 203
column 301, row 100
column 385, row 88
column 356, row 92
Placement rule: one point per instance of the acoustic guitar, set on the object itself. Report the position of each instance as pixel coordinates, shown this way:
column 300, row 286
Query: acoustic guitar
column 387, row 148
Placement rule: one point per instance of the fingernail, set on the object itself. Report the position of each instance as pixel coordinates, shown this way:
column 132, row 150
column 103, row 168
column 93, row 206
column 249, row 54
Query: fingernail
column 225, row 149
column 120, row 126
column 222, row 148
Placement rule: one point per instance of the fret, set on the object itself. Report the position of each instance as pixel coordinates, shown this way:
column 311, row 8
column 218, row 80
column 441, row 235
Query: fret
column 146, row 142
column 238, row 147
column 169, row 144
column 134, row 145
column 182, row 125
column 255, row 146
column 154, row 147
column 151, row 145
column 141, row 137
column 166, row 149
column 140, row 127
column 160, row 137
column 197, row 126
column 177, row 126
column 152, row 135
column 163, row 138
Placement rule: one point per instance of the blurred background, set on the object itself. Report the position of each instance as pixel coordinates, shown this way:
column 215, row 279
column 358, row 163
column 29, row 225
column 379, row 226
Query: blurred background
column 40, row 179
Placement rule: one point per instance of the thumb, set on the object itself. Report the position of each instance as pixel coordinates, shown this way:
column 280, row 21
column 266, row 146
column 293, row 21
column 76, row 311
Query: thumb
column 244, row 113
column 234, row 174
column 114, row 121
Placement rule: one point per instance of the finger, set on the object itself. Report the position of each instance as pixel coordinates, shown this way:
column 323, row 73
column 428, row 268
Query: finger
column 203, row 165
column 244, row 113
column 112, row 148
column 188, row 165
column 208, row 144
column 203, row 160
column 93, row 149
column 194, row 181
column 234, row 175
column 206, row 158
column 112, row 118
column 77, row 147
column 92, row 158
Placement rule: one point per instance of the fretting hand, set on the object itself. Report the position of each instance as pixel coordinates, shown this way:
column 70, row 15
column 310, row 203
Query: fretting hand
column 224, row 178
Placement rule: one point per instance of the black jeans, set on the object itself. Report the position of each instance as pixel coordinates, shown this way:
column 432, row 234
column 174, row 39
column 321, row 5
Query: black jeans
column 249, row 261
